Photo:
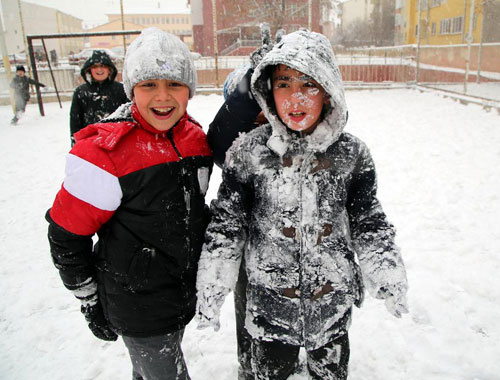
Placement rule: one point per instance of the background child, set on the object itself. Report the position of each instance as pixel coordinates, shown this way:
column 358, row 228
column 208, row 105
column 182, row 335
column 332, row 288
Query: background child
column 299, row 198
column 21, row 85
column 98, row 96
column 138, row 180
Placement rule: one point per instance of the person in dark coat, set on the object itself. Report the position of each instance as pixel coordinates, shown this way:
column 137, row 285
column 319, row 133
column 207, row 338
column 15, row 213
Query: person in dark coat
column 99, row 96
column 298, row 202
column 21, row 85
column 240, row 113
column 137, row 180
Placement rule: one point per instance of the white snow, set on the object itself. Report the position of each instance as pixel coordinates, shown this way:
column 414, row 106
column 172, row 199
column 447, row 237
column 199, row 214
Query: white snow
column 437, row 162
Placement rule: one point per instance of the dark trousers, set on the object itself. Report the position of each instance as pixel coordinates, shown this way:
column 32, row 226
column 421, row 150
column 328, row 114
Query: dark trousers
column 243, row 338
column 275, row 360
column 157, row 358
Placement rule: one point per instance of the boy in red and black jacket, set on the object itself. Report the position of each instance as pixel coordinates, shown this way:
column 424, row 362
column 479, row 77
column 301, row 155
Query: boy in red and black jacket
column 137, row 179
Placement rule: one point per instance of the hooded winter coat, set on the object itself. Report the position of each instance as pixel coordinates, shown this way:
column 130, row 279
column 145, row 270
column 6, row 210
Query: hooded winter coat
column 93, row 101
column 142, row 192
column 304, row 211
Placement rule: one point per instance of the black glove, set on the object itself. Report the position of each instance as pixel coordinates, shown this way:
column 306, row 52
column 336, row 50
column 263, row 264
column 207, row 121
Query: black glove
column 257, row 55
column 97, row 323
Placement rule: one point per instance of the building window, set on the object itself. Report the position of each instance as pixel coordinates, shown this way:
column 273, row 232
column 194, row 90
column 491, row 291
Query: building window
column 451, row 25
column 416, row 30
column 474, row 21
column 433, row 28
column 457, row 25
column 435, row 3
column 168, row 20
column 113, row 37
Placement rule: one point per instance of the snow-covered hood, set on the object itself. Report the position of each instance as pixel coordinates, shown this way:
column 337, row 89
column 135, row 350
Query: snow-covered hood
column 310, row 53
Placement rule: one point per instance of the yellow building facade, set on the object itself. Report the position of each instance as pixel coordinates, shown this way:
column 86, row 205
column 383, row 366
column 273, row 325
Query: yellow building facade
column 442, row 22
column 175, row 23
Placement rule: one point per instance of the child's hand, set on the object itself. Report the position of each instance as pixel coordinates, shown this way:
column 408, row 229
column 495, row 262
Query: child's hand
column 395, row 301
column 257, row 55
column 210, row 301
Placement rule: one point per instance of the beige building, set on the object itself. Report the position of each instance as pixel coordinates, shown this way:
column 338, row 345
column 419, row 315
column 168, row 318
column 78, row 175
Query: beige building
column 353, row 10
column 175, row 23
column 111, row 42
column 39, row 19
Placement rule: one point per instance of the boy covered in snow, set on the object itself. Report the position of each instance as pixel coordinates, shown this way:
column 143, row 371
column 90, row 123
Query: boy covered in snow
column 137, row 179
column 21, row 85
column 298, row 200
column 98, row 96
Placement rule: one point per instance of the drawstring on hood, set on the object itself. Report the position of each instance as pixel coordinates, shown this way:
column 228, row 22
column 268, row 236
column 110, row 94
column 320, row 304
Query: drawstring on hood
column 310, row 53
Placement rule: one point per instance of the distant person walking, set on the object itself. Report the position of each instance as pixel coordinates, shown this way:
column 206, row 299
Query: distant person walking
column 21, row 85
column 99, row 96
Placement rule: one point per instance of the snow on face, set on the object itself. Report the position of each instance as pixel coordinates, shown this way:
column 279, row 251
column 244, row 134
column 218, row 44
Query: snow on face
column 299, row 99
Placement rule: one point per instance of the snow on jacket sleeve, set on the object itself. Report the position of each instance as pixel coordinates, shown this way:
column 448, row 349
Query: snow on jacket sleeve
column 373, row 236
column 226, row 234
column 86, row 200
column 237, row 114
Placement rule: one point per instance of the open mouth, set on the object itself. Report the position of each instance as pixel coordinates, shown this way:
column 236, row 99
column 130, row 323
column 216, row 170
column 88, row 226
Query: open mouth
column 162, row 111
column 297, row 115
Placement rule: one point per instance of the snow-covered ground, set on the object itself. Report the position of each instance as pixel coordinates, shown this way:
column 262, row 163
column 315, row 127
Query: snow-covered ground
column 437, row 162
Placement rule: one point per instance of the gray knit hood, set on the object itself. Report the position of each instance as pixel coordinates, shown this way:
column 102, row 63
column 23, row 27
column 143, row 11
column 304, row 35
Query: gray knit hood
column 310, row 53
column 156, row 54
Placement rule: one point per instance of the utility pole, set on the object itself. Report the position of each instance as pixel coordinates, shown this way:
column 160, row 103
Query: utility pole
column 6, row 63
column 21, row 21
column 123, row 28
column 464, row 18
column 480, row 50
column 418, row 43
column 216, row 46
column 309, row 21
column 469, row 39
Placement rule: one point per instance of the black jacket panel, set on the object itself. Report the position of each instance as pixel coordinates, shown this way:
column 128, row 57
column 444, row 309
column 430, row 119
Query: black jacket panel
column 237, row 115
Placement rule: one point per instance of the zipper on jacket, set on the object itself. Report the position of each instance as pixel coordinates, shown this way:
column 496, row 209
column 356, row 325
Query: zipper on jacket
column 187, row 199
column 171, row 139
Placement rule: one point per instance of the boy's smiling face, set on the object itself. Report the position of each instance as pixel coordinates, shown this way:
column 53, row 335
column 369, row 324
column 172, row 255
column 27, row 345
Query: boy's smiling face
column 299, row 99
column 99, row 72
column 161, row 102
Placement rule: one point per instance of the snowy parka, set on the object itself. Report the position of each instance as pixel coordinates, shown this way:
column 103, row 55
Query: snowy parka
column 303, row 211
column 93, row 101
column 142, row 192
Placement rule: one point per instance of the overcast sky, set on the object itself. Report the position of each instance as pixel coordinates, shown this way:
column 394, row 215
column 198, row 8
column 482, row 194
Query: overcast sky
column 93, row 11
